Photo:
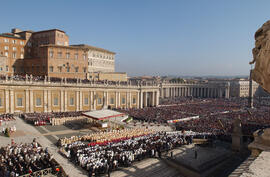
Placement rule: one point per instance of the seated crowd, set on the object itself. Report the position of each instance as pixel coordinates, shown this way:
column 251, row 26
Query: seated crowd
column 21, row 159
column 6, row 117
column 39, row 119
column 199, row 107
column 223, row 123
column 103, row 158
column 105, row 137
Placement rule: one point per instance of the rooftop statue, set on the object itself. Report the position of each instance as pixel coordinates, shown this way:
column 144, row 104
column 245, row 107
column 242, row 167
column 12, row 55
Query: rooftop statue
column 261, row 57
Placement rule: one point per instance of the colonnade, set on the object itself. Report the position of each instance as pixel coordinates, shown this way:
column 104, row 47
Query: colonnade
column 149, row 98
column 195, row 90
column 45, row 98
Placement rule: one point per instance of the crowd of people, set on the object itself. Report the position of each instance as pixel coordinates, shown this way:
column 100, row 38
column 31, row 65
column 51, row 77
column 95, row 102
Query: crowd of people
column 106, row 137
column 185, row 108
column 21, row 159
column 6, row 124
column 39, row 119
column 251, row 121
column 102, row 159
column 6, row 118
column 157, row 114
column 67, row 80
column 214, row 115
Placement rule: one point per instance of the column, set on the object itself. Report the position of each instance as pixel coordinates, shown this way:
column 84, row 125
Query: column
column 127, row 101
column 66, row 100
column 201, row 94
column 130, row 100
column 7, row 100
column 219, row 92
column 91, row 100
column 49, row 101
column 12, row 105
column 26, row 101
column 116, row 100
column 62, row 101
column 95, row 100
column 138, row 100
column 157, row 98
column 107, row 98
column 81, row 100
column 145, row 99
column 31, row 101
column 153, row 98
column 45, row 100
column 119, row 100
column 227, row 93
column 184, row 92
column 77, row 100
column 141, row 99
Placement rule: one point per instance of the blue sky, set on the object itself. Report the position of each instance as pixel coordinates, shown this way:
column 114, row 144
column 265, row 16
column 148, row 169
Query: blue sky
column 152, row 37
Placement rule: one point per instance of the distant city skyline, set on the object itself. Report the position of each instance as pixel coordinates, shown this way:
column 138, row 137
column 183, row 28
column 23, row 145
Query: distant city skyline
column 154, row 37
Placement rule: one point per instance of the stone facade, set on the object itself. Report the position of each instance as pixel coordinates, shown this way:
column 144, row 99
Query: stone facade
column 45, row 96
column 3, row 64
column 110, row 76
column 99, row 60
column 13, row 48
column 48, row 53
column 202, row 90
column 241, row 88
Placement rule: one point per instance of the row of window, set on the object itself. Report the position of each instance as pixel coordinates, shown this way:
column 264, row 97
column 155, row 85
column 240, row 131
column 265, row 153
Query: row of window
column 71, row 101
column 6, row 40
column 60, row 69
column 103, row 56
column 14, row 55
column 68, row 56
column 92, row 62
column 13, row 48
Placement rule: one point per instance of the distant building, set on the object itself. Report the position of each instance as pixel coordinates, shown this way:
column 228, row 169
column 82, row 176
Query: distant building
column 3, row 64
column 12, row 47
column 48, row 53
column 240, row 88
column 99, row 60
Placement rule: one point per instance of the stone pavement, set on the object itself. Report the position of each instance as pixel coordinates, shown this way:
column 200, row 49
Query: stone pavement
column 186, row 155
column 147, row 168
column 29, row 133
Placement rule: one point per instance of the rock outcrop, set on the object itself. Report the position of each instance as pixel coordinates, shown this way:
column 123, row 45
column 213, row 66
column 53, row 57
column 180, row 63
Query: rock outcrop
column 261, row 57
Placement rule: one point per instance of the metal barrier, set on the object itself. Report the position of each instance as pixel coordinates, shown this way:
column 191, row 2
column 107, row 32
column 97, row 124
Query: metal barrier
column 39, row 173
column 43, row 172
